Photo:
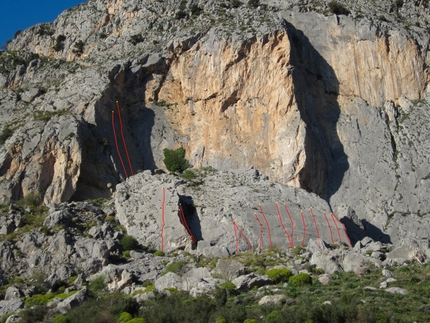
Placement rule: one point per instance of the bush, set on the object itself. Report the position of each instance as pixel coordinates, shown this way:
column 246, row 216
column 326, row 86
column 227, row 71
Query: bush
column 137, row 320
column 253, row 3
column 79, row 48
column 236, row 3
column 188, row 174
column 136, row 39
column 278, row 275
column 175, row 267
column 60, row 319
column 125, row 317
column 32, row 199
column 300, row 280
column 337, row 8
column 97, row 285
column 5, row 134
column 175, row 160
column 159, row 253
column 129, row 243
column 59, row 43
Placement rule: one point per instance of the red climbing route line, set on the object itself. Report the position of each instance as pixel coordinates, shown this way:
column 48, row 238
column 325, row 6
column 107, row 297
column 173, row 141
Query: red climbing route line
column 267, row 224
column 185, row 224
column 260, row 245
column 241, row 233
column 237, row 238
column 123, row 138
column 335, row 224
column 283, row 227
column 329, row 226
column 162, row 217
column 315, row 222
column 292, row 222
column 304, row 227
column 116, row 144
column 344, row 230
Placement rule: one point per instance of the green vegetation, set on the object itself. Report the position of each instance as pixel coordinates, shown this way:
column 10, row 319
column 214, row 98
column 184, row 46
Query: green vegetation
column 175, row 267
column 279, row 275
column 253, row 3
column 136, row 39
column 175, row 160
column 338, row 8
column 129, row 243
column 6, row 133
column 79, row 48
column 59, row 43
column 47, row 115
column 300, row 280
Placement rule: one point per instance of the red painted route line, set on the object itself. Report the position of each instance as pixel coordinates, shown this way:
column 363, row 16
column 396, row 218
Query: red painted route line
column 185, row 224
column 246, row 239
column 267, row 224
column 329, row 226
column 123, row 139
column 116, row 144
column 304, row 228
column 344, row 230
column 292, row 222
column 283, row 227
column 260, row 245
column 315, row 222
column 337, row 228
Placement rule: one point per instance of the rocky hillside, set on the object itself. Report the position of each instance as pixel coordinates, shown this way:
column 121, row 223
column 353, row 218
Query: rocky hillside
column 303, row 121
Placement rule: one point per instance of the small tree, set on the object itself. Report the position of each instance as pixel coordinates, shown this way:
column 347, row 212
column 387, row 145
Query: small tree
column 338, row 9
column 175, row 160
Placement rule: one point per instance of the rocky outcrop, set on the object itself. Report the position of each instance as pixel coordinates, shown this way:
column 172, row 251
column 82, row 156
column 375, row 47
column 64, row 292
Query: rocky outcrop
column 313, row 100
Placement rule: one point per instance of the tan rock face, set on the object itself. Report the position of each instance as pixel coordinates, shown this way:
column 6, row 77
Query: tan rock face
column 46, row 163
column 238, row 107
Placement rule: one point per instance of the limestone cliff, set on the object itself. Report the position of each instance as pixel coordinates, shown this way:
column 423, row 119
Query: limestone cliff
column 334, row 104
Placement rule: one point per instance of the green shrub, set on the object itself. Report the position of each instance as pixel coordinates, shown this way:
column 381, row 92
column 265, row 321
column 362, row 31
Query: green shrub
column 136, row 39
column 32, row 199
column 220, row 320
column 337, row 8
column 279, row 275
column 39, row 299
column 137, row 320
column 60, row 319
column 59, row 43
column 97, row 285
column 253, row 3
column 125, row 317
column 159, row 253
column 79, row 48
column 300, row 280
column 175, row 160
column 297, row 250
column 188, row 174
column 236, row 3
column 250, row 321
column 228, row 285
column 5, row 134
column 175, row 267
column 129, row 242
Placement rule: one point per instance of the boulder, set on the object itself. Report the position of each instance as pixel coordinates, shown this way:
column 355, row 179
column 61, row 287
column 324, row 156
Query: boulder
column 169, row 280
column 72, row 301
column 397, row 290
column 194, row 276
column 247, row 282
column 10, row 306
column 271, row 300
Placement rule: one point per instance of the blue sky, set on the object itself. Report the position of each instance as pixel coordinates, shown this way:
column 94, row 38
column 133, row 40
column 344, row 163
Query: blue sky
column 21, row 14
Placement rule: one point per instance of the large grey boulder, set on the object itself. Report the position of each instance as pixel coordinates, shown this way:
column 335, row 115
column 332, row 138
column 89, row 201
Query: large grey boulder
column 72, row 301
column 10, row 306
column 169, row 280
column 194, row 276
column 247, row 282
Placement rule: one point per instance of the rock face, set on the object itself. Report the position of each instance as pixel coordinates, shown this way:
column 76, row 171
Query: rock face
column 318, row 102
